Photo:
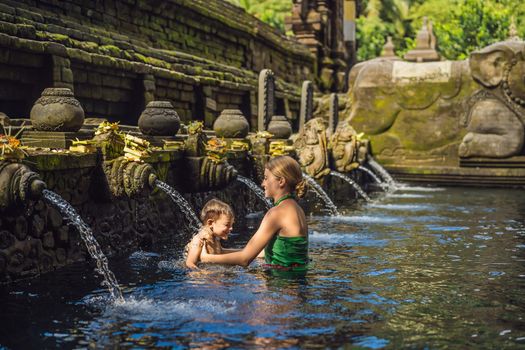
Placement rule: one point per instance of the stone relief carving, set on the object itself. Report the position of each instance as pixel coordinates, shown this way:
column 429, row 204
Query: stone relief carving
column 344, row 147
column 312, row 148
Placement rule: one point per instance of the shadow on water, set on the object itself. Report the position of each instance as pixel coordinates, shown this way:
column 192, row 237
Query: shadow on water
column 441, row 269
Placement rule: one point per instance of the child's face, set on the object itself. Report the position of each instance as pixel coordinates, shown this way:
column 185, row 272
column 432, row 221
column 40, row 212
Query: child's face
column 222, row 226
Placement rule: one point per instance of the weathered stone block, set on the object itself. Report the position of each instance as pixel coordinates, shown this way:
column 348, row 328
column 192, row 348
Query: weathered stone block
column 7, row 9
column 81, row 76
column 6, row 239
column 8, row 28
column 31, row 45
column 95, row 78
column 48, row 241
column 187, row 96
column 79, row 55
column 67, row 75
column 109, row 80
column 149, row 85
column 103, row 60
column 55, row 49
column 20, row 228
column 54, row 218
column 37, row 226
column 60, row 255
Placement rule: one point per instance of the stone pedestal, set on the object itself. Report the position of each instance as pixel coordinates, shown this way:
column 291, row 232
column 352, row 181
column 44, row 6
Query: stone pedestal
column 54, row 139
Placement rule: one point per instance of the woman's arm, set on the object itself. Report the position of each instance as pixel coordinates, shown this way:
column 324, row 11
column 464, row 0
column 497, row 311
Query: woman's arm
column 269, row 226
column 230, row 250
column 194, row 252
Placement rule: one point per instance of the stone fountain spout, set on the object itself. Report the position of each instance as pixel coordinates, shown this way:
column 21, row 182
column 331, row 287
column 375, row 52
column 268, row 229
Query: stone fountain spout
column 18, row 184
column 128, row 177
column 205, row 164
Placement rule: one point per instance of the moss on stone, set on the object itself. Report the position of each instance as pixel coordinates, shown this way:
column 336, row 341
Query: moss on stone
column 110, row 50
column 140, row 57
column 60, row 38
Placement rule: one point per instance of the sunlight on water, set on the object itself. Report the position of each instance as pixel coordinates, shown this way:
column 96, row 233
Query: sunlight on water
column 401, row 206
column 407, row 195
column 359, row 219
column 386, row 275
column 406, row 188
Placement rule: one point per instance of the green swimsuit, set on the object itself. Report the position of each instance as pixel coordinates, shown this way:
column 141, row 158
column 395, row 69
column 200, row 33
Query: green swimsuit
column 287, row 252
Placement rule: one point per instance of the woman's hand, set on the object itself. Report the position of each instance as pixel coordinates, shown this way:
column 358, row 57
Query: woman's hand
column 204, row 257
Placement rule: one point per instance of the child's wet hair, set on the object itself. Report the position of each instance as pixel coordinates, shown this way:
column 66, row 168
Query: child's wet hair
column 213, row 210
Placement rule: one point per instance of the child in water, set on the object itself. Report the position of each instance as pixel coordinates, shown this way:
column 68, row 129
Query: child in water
column 217, row 221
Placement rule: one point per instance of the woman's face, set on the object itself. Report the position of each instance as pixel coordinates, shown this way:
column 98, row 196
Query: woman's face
column 271, row 184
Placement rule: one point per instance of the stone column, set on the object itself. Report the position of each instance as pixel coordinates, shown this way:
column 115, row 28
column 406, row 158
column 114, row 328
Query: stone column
column 148, row 81
column 266, row 99
column 307, row 102
column 333, row 118
column 62, row 74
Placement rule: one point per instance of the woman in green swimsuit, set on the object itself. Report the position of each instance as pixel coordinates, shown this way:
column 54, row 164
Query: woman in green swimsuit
column 283, row 233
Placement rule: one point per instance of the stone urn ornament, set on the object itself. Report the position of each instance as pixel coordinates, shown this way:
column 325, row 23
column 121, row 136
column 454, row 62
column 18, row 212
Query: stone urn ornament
column 280, row 127
column 231, row 124
column 159, row 119
column 57, row 110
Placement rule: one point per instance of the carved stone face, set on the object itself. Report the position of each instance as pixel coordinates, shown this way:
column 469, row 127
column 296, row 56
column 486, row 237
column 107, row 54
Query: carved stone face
column 501, row 64
column 516, row 82
column 312, row 148
column 344, row 147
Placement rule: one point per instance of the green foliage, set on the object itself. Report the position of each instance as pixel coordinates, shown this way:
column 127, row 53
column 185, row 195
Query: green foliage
column 371, row 37
column 461, row 26
column 382, row 18
column 272, row 12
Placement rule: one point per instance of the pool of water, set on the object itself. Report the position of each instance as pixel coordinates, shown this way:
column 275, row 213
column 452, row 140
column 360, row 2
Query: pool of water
column 420, row 268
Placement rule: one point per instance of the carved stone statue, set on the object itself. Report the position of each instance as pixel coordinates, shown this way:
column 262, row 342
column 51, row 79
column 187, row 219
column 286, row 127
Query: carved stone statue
column 439, row 111
column 496, row 115
column 312, row 148
column 344, row 147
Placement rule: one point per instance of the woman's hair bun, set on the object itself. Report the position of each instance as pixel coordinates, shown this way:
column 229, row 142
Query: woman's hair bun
column 301, row 188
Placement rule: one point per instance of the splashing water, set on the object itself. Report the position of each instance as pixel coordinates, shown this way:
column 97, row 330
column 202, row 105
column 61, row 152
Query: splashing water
column 371, row 173
column 255, row 189
column 322, row 194
column 352, row 183
column 384, row 174
column 91, row 243
column 181, row 202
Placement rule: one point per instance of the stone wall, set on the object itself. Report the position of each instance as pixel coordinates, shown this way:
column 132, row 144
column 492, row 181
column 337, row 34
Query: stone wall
column 36, row 239
column 118, row 55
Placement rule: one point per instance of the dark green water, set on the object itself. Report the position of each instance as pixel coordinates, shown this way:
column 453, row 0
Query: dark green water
column 418, row 269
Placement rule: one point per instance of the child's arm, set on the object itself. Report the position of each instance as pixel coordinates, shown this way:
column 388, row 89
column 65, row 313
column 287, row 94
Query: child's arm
column 194, row 252
column 268, row 228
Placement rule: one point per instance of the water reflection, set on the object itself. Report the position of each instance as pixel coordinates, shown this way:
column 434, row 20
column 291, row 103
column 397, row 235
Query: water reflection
column 444, row 269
